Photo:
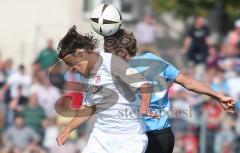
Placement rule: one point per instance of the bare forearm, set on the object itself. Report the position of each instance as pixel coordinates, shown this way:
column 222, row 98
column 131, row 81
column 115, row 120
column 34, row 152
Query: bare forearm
column 227, row 103
column 201, row 88
column 81, row 117
column 76, row 122
column 197, row 86
column 145, row 91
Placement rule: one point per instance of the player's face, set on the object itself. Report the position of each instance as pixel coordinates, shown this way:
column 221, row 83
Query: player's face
column 78, row 61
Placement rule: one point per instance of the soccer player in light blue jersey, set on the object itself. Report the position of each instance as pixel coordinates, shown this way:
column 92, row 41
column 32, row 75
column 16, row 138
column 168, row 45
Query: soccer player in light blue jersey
column 161, row 74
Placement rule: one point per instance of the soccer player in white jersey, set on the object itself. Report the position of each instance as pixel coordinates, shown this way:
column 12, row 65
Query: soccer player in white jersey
column 110, row 94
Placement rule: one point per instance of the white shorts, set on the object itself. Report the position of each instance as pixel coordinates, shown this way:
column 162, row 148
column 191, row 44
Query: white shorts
column 101, row 142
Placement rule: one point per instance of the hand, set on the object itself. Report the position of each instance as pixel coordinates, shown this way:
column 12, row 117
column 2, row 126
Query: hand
column 63, row 137
column 144, row 111
column 227, row 103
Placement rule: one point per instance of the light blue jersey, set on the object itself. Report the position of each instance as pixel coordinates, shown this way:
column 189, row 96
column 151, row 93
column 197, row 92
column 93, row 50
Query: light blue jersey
column 161, row 74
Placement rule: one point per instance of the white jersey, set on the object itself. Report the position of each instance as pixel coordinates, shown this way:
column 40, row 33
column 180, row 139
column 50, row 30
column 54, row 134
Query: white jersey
column 114, row 95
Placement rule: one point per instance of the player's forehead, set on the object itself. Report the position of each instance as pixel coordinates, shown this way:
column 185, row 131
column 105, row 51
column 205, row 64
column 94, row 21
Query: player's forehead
column 76, row 57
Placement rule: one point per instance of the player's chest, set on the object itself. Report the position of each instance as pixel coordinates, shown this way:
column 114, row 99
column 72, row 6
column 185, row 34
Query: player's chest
column 100, row 78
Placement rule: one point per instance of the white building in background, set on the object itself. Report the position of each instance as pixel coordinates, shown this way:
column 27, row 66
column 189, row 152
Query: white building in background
column 26, row 25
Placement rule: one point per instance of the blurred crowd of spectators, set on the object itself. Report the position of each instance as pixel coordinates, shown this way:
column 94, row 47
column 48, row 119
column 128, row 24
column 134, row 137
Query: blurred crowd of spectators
column 204, row 124
column 199, row 123
column 29, row 122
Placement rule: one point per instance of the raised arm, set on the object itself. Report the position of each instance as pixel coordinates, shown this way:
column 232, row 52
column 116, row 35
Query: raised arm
column 134, row 80
column 145, row 90
column 81, row 117
column 227, row 103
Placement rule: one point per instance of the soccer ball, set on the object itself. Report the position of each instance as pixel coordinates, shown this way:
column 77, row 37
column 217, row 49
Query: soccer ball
column 106, row 19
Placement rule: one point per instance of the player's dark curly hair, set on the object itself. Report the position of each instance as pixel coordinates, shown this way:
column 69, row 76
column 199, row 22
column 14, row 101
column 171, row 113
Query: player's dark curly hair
column 74, row 40
column 121, row 40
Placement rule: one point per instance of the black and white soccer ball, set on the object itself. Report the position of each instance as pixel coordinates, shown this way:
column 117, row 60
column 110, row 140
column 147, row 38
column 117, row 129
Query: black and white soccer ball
column 106, row 19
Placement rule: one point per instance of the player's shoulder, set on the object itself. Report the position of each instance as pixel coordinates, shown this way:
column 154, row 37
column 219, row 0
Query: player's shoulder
column 149, row 56
column 104, row 55
column 105, row 60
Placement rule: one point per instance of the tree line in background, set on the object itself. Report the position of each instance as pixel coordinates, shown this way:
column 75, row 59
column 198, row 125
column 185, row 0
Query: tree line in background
column 222, row 11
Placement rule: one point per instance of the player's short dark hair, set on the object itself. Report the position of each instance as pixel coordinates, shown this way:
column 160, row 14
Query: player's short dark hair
column 121, row 39
column 74, row 40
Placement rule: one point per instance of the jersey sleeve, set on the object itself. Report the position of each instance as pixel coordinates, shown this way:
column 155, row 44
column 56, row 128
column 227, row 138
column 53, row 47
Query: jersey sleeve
column 171, row 72
column 126, row 73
